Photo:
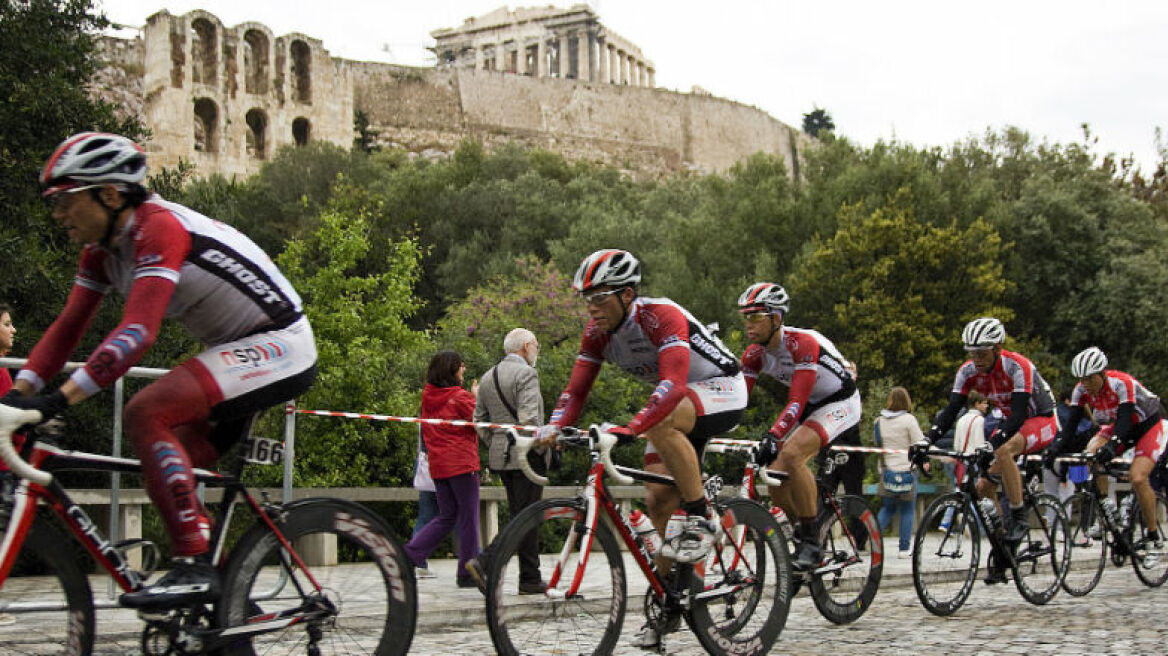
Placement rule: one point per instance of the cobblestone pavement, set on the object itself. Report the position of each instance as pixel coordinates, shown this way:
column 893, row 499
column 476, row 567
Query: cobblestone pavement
column 1121, row 616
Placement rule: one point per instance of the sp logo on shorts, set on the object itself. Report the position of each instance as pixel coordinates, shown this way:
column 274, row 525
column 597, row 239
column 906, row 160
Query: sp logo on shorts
column 254, row 355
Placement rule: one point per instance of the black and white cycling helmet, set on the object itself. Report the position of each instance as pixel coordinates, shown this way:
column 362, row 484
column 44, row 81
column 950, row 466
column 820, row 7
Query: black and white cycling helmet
column 764, row 297
column 609, row 266
column 93, row 158
column 1088, row 361
column 983, row 333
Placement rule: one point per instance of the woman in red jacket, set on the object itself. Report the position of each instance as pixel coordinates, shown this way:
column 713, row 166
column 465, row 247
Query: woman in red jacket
column 454, row 464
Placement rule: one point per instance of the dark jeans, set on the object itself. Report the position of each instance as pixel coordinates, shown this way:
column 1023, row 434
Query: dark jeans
column 521, row 493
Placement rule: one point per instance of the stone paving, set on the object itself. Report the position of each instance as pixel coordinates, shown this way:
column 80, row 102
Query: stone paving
column 1121, row 616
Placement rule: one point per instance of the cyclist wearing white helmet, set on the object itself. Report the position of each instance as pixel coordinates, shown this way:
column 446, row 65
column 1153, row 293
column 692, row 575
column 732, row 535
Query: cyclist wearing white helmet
column 1134, row 417
column 823, row 403
column 699, row 390
column 1012, row 383
column 166, row 260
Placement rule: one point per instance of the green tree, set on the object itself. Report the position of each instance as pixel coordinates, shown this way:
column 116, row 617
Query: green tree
column 817, row 121
column 893, row 292
column 369, row 358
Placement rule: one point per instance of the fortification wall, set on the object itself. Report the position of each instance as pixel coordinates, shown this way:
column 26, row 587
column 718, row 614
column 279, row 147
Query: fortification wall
column 225, row 98
column 637, row 128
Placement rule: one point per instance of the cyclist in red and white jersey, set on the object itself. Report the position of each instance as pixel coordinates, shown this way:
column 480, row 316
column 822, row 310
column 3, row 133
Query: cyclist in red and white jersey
column 823, row 403
column 1133, row 415
column 1012, row 383
column 699, row 391
column 168, row 261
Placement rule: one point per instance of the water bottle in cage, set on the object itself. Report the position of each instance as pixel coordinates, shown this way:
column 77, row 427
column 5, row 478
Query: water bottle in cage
column 784, row 522
column 644, row 532
column 1125, row 511
column 990, row 512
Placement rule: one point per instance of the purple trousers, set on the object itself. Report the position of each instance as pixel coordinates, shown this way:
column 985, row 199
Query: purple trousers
column 458, row 508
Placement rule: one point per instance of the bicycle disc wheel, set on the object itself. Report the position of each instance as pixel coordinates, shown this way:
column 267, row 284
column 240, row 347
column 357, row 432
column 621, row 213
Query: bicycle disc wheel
column 368, row 591
column 946, row 552
column 587, row 622
column 854, row 560
column 46, row 606
column 1041, row 558
column 740, row 599
column 1088, row 556
column 1151, row 565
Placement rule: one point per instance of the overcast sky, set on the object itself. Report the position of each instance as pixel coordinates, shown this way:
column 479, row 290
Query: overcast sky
column 927, row 72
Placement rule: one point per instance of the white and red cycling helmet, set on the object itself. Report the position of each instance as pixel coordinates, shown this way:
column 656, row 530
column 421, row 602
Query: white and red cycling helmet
column 93, row 158
column 985, row 332
column 764, row 297
column 1089, row 361
column 609, row 266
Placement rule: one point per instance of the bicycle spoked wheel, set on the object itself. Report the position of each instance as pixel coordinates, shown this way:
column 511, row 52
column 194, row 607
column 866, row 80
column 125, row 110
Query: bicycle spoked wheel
column 369, row 596
column 853, row 561
column 741, row 593
column 1041, row 559
column 945, row 556
column 46, row 606
column 587, row 622
column 1088, row 556
column 1150, row 563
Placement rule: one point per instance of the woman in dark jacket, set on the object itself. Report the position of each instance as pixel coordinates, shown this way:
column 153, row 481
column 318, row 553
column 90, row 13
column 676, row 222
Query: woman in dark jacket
column 454, row 464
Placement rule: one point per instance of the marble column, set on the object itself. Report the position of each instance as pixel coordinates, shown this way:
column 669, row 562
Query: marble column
column 501, row 57
column 584, row 55
column 541, row 66
column 565, row 58
column 602, row 60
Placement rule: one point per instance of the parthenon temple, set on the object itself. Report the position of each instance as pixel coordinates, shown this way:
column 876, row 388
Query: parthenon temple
column 544, row 42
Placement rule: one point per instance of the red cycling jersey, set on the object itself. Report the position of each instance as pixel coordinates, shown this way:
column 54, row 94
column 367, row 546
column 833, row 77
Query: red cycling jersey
column 809, row 364
column 659, row 342
column 1118, row 388
column 169, row 261
column 1011, row 373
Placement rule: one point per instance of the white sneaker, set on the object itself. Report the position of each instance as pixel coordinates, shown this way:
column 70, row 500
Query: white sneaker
column 424, row 573
column 904, row 553
column 688, row 538
column 647, row 638
column 1095, row 531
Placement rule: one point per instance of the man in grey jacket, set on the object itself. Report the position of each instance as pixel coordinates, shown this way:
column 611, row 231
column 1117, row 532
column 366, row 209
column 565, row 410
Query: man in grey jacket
column 509, row 394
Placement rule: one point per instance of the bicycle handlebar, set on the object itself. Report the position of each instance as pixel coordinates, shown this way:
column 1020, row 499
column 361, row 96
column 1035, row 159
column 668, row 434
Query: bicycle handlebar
column 11, row 419
column 598, row 440
column 748, row 448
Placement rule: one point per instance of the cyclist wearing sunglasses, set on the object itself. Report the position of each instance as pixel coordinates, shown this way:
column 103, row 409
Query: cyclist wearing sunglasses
column 1133, row 415
column 822, row 405
column 1012, row 383
column 167, row 261
column 699, row 390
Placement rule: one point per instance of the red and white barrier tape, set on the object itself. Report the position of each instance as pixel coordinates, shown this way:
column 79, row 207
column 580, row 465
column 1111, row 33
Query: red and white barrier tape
column 416, row 420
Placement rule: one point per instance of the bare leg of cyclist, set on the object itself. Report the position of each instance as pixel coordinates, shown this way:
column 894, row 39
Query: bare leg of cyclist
column 1141, row 468
column 1005, row 464
column 1104, row 482
column 677, row 459
column 799, row 490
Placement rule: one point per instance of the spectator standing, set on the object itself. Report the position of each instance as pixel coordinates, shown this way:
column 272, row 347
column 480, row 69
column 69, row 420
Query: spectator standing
column 509, row 394
column 454, row 464
column 896, row 429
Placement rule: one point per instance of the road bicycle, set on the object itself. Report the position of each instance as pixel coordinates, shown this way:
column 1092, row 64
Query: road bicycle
column 736, row 601
column 947, row 544
column 1094, row 531
column 846, row 581
column 361, row 598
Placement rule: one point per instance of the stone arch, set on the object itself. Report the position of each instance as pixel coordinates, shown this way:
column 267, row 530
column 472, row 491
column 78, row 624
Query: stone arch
column 301, row 71
column 204, row 52
column 255, row 62
column 257, row 134
column 301, row 130
column 206, row 125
